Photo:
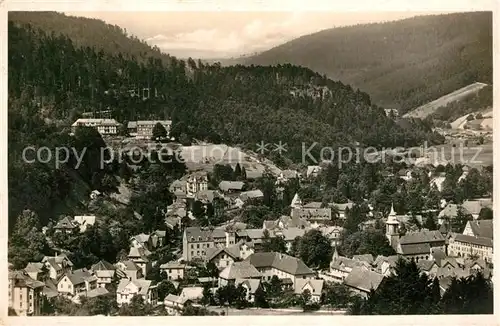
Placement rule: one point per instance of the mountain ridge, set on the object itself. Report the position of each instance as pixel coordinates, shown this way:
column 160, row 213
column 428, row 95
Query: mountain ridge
column 401, row 64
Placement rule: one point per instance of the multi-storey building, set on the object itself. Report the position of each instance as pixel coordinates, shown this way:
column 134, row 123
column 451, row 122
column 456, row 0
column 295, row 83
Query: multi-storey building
column 144, row 128
column 25, row 294
column 103, row 126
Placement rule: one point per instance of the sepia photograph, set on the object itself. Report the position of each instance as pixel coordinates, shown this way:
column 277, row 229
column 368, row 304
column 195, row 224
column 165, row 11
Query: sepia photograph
column 246, row 163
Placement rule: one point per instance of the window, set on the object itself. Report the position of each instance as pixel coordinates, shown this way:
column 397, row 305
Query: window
column 198, row 246
column 192, row 246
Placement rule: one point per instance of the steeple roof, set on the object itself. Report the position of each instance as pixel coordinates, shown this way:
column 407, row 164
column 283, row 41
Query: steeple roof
column 392, row 216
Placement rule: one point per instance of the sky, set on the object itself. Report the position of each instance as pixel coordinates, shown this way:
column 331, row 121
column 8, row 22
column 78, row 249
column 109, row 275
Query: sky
column 208, row 35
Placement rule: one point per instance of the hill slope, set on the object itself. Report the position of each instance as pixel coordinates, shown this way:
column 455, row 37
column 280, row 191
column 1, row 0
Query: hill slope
column 429, row 108
column 89, row 32
column 401, row 64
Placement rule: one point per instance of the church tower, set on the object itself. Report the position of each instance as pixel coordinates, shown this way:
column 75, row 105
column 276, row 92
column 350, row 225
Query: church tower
column 391, row 229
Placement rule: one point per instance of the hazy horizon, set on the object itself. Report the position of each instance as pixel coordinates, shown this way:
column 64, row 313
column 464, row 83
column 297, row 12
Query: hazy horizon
column 222, row 35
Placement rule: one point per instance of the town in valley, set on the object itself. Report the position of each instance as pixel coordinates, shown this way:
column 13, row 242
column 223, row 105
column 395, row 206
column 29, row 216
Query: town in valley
column 185, row 189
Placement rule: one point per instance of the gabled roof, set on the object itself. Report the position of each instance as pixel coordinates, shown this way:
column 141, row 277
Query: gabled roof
column 128, row 265
column 232, row 251
column 246, row 195
column 141, row 253
column 239, row 270
column 173, row 265
column 66, row 223
column 231, row 185
column 426, row 265
column 96, row 292
column 482, row 228
column 316, row 285
column 142, row 284
column 415, row 249
column 480, row 241
column 251, row 284
column 191, row 293
column 423, row 236
column 363, row 279
column 290, row 234
column 313, row 204
column 22, row 279
column 312, row 213
column 366, row 257
column 103, row 265
column 79, row 276
column 283, row 262
column 34, row 268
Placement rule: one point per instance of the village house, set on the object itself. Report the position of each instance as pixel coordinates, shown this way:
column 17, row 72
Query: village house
column 238, row 270
column 314, row 286
column 76, row 282
column 285, row 222
column 223, row 257
column 173, row 270
column 105, row 273
column 386, row 265
column 98, row 291
column 340, row 267
column 474, row 207
column 231, row 186
column 450, row 212
column 340, row 209
column 127, row 289
column 480, row 228
column 129, row 270
column 283, row 266
column 84, row 221
column 66, row 225
column 251, row 194
column 251, row 285
column 417, row 245
column 141, row 241
column 470, row 246
column 57, row 265
column 24, row 294
column 103, row 126
column 197, row 181
column 140, row 257
column 289, row 235
column 361, row 281
column 174, row 304
column 37, row 271
column 143, row 129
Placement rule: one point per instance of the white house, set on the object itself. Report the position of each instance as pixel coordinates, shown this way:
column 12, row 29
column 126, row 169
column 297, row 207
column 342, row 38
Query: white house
column 76, row 282
column 314, row 286
column 127, row 289
column 105, row 273
column 103, row 126
column 174, row 270
column 57, row 265
column 84, row 221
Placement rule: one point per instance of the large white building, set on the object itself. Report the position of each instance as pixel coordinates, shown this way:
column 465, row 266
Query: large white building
column 103, row 126
column 143, row 129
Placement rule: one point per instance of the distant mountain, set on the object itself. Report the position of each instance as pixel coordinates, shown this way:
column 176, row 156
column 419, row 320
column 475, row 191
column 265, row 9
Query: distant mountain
column 401, row 64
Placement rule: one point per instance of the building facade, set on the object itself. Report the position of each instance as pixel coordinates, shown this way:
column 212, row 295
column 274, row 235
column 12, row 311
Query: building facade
column 103, row 126
column 25, row 294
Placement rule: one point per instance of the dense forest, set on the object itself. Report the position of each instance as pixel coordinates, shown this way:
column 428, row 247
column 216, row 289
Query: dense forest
column 401, row 64
column 91, row 32
column 477, row 102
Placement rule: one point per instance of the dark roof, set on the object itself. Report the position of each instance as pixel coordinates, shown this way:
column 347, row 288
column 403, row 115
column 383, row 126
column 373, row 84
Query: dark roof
column 424, row 236
column 482, row 228
column 425, row 265
column 197, row 234
column 231, row 185
column 233, row 251
column 79, row 276
column 486, row 242
column 285, row 263
column 21, row 279
column 363, row 279
column 312, row 213
column 103, row 265
column 66, row 223
column 415, row 248
column 367, row 257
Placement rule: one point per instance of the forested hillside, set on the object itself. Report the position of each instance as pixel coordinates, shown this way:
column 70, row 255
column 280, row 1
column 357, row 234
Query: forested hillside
column 401, row 64
column 52, row 81
column 90, row 32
